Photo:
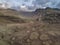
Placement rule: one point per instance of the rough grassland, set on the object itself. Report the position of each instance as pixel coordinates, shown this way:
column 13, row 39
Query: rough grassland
column 18, row 31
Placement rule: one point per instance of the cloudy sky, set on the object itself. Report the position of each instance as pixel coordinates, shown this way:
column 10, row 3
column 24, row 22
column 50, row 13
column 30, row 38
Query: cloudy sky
column 32, row 4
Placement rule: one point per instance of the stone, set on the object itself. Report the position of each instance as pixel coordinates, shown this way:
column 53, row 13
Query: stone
column 52, row 33
column 57, row 43
column 33, row 29
column 36, row 42
column 34, row 35
column 46, row 43
column 44, row 37
column 28, row 40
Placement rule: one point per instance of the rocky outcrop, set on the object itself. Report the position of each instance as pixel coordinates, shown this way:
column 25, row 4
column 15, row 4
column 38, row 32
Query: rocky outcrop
column 48, row 15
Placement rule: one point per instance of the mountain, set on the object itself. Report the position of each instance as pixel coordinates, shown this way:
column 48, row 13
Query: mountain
column 50, row 15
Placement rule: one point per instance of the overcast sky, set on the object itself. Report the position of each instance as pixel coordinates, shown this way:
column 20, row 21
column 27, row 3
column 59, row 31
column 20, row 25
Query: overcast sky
column 33, row 4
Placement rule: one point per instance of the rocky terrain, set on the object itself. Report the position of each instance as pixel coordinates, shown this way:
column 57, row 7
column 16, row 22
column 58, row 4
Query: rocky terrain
column 43, row 28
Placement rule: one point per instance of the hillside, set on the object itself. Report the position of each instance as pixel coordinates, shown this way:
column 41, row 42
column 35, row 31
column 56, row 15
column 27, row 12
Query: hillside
column 41, row 27
column 48, row 15
column 13, row 16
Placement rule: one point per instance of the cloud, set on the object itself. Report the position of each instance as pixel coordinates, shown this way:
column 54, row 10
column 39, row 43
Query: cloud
column 26, row 8
column 23, row 8
column 32, row 4
column 26, row 0
column 47, row 3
